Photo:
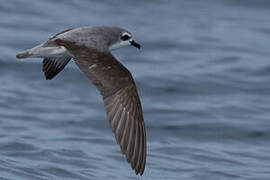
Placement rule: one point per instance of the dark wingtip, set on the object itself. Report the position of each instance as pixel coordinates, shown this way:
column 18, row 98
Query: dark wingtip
column 137, row 172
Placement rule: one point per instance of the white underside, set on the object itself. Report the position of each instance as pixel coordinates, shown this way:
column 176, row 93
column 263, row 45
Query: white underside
column 54, row 51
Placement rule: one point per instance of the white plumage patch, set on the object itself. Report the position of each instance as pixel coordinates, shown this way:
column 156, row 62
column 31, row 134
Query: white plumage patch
column 119, row 44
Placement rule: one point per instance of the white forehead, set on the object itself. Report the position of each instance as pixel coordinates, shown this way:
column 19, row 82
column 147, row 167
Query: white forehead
column 126, row 33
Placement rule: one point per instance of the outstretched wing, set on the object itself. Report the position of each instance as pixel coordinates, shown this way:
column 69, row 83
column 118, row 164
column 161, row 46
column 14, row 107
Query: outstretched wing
column 52, row 66
column 120, row 97
column 125, row 116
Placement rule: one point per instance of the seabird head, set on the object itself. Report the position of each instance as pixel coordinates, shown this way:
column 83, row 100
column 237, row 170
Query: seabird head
column 100, row 38
column 120, row 38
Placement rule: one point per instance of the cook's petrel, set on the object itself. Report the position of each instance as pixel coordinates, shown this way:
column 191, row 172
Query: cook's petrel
column 90, row 48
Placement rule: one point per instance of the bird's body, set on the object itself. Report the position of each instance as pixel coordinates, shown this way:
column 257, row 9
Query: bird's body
column 90, row 48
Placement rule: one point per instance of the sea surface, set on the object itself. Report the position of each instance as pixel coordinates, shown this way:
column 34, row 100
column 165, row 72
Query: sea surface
column 203, row 75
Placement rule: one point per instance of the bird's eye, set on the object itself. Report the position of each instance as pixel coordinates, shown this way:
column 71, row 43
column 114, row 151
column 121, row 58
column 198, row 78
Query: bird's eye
column 125, row 37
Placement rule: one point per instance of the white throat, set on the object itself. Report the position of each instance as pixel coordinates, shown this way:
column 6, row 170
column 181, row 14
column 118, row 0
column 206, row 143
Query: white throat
column 119, row 45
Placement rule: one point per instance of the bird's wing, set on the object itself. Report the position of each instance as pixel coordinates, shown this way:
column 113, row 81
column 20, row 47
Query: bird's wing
column 52, row 66
column 125, row 116
column 120, row 97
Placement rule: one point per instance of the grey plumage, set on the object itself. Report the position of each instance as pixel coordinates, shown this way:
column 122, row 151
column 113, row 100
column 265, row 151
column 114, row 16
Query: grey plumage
column 90, row 48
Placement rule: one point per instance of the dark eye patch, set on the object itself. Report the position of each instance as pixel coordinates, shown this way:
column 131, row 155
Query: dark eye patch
column 125, row 37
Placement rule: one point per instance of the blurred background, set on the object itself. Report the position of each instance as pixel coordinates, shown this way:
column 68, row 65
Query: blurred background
column 203, row 76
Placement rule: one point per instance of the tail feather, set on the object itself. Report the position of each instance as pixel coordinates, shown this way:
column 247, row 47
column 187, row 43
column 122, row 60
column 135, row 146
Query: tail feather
column 34, row 52
column 23, row 54
column 43, row 51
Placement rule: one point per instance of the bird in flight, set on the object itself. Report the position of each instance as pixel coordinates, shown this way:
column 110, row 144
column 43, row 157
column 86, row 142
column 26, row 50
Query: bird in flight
column 90, row 48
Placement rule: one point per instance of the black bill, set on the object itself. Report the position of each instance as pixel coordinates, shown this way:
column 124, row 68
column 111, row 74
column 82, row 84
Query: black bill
column 133, row 43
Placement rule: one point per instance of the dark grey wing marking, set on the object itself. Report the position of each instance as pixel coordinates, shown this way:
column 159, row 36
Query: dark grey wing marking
column 121, row 99
column 52, row 66
column 125, row 116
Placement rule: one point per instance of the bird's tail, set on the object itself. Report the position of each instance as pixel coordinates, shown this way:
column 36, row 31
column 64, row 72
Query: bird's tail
column 34, row 52
column 42, row 51
column 24, row 54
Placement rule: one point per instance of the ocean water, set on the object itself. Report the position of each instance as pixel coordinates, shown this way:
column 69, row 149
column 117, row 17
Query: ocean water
column 203, row 76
